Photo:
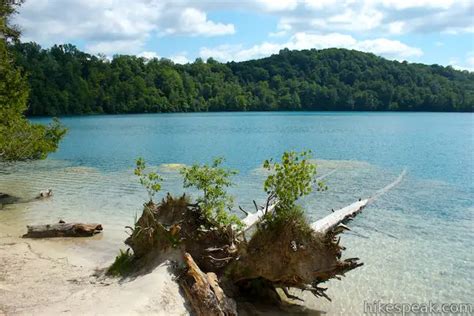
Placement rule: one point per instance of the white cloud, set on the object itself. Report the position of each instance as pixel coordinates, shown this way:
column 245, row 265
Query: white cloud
column 396, row 27
column 149, row 55
column 277, row 5
column 238, row 53
column 380, row 17
column 195, row 22
column 381, row 46
column 121, row 26
column 389, row 48
column 468, row 63
column 115, row 47
column 409, row 4
column 180, row 59
column 319, row 4
column 112, row 26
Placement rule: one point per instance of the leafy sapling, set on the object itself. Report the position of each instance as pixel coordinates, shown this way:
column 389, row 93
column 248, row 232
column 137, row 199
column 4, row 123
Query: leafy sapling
column 151, row 180
column 289, row 180
column 212, row 180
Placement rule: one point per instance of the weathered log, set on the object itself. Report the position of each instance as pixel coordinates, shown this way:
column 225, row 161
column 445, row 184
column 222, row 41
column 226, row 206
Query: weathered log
column 62, row 230
column 338, row 217
column 203, row 291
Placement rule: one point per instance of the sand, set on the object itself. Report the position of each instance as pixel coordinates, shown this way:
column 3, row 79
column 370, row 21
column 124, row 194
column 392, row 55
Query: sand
column 38, row 277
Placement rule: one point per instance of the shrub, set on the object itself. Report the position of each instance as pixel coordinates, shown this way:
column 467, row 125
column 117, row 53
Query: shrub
column 122, row 265
column 289, row 180
column 212, row 180
column 151, row 180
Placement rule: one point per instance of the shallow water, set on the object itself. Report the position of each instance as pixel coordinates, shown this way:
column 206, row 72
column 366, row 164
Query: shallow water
column 415, row 241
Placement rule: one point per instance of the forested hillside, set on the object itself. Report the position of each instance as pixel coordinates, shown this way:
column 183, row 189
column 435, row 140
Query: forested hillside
column 64, row 80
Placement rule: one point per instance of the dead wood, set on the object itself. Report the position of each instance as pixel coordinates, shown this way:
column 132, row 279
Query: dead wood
column 62, row 230
column 203, row 291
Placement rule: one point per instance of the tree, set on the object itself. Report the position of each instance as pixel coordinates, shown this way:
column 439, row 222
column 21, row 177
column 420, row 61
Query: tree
column 19, row 139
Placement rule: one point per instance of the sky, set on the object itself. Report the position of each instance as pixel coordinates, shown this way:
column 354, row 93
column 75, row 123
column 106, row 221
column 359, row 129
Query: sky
column 424, row 31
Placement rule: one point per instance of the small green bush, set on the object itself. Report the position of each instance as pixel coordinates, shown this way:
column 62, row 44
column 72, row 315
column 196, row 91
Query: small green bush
column 289, row 180
column 151, row 180
column 212, row 180
column 122, row 265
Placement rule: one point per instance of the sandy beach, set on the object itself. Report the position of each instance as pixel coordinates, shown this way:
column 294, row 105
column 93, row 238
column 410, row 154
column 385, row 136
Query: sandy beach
column 38, row 277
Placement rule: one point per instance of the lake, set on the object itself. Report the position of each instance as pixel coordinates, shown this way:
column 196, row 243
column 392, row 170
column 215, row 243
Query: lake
column 416, row 240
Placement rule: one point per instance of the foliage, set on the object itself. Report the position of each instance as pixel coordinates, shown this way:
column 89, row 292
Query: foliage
column 291, row 178
column 151, row 180
column 215, row 201
column 19, row 139
column 64, row 80
column 122, row 265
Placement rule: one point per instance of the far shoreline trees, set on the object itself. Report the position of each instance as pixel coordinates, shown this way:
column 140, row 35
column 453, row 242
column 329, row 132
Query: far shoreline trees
column 67, row 81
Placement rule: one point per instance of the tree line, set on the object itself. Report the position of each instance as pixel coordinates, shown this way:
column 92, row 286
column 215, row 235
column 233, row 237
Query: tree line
column 64, row 80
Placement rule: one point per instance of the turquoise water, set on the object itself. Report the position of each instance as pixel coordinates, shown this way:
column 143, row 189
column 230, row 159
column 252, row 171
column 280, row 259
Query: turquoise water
column 416, row 240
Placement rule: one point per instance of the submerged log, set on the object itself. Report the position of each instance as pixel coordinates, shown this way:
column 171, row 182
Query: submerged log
column 203, row 291
column 62, row 229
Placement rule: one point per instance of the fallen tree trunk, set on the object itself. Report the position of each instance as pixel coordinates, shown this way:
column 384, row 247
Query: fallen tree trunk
column 338, row 217
column 284, row 253
column 62, row 230
column 203, row 291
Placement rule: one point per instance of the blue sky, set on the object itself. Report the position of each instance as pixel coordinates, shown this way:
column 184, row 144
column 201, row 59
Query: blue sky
column 426, row 31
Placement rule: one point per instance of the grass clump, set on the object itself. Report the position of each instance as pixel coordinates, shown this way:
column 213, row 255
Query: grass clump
column 122, row 265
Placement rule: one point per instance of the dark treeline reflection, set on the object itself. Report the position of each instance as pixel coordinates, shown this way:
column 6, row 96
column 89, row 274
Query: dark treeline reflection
column 64, row 80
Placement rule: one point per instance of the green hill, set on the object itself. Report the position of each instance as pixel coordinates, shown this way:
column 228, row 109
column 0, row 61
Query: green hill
column 64, row 80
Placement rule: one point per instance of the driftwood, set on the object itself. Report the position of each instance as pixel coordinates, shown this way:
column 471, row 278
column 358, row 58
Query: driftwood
column 62, row 229
column 203, row 291
column 337, row 218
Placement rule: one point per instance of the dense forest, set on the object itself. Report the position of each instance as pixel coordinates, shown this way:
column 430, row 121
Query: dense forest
column 64, row 80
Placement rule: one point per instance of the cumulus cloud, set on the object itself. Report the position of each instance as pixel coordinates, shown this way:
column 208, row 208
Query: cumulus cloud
column 149, row 55
column 113, row 26
column 467, row 64
column 180, row 59
column 381, row 16
column 194, row 22
column 381, row 46
column 277, row 5
column 121, row 26
column 177, row 59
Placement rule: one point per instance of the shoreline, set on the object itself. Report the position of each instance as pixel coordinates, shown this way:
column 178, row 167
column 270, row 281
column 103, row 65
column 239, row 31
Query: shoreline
column 39, row 277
